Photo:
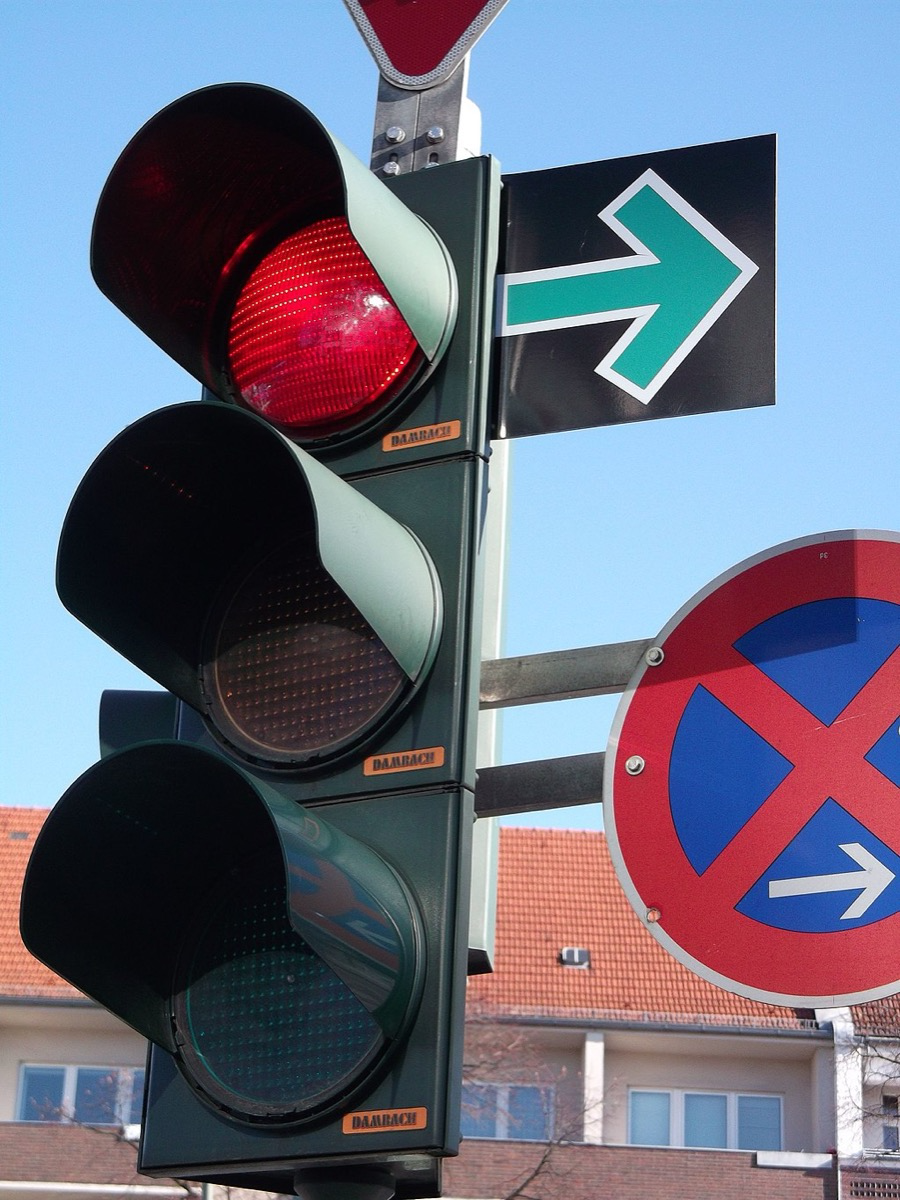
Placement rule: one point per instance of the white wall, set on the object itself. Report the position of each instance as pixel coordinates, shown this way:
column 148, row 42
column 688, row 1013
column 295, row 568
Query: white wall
column 60, row 1035
column 705, row 1062
column 594, row 1085
column 531, row 1054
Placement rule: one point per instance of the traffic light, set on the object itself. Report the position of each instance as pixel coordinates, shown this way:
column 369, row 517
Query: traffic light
column 267, row 872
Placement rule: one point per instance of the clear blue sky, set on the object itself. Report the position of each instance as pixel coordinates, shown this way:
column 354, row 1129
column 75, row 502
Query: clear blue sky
column 612, row 529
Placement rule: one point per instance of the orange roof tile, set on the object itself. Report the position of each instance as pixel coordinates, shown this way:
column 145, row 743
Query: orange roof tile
column 20, row 973
column 558, row 888
column 878, row 1018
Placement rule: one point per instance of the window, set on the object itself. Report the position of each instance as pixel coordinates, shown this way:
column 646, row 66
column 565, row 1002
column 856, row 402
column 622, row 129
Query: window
column 575, row 956
column 650, row 1118
column 508, row 1110
column 707, row 1120
column 87, row 1095
column 759, row 1122
column 890, row 1129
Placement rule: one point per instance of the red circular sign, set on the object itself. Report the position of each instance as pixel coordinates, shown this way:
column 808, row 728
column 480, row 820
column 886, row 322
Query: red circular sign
column 752, row 788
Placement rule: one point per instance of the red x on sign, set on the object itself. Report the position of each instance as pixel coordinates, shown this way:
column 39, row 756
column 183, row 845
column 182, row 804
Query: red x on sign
column 753, row 776
column 419, row 43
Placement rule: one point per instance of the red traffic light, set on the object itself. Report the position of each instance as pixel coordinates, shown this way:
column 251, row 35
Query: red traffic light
column 315, row 338
column 271, row 264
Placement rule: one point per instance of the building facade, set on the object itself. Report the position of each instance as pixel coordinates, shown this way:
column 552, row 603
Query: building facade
column 596, row 1065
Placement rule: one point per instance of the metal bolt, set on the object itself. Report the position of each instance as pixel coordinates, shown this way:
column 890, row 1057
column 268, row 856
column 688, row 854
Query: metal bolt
column 654, row 656
column 391, row 168
column 653, row 915
column 394, row 135
column 634, row 765
column 435, row 134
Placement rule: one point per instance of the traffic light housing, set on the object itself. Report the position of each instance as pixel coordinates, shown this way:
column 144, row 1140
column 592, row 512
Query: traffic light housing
column 278, row 898
column 285, row 606
column 260, row 254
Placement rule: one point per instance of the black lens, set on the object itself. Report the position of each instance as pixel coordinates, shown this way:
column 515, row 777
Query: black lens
column 296, row 671
column 267, row 1030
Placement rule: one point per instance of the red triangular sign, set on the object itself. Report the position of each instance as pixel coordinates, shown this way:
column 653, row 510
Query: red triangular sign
column 419, row 43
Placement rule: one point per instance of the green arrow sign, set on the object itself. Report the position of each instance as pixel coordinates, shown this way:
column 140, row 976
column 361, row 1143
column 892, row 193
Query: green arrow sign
column 682, row 276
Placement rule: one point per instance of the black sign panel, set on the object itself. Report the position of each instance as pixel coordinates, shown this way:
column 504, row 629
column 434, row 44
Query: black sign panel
column 637, row 288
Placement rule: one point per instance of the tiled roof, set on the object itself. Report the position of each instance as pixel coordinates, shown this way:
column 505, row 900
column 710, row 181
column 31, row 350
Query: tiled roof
column 558, row 888
column 20, row 974
column 878, row 1018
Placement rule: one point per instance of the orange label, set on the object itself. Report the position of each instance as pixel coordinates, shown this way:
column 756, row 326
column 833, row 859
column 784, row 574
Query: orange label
column 404, row 760
column 382, row 1120
column 405, row 439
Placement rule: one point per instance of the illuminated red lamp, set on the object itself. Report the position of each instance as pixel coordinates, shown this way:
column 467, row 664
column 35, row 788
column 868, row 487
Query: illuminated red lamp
column 315, row 339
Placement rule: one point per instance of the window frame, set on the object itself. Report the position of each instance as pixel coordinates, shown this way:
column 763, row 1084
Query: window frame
column 126, row 1076
column 677, row 1109
column 501, row 1109
column 890, row 1122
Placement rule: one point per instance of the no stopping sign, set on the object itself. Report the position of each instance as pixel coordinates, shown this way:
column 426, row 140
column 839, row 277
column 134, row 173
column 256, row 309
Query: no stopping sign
column 752, row 787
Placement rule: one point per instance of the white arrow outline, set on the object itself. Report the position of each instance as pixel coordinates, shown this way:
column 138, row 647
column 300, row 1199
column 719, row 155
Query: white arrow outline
column 639, row 315
column 874, row 878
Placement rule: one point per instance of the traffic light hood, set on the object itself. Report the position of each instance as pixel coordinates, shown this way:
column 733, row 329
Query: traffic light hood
column 246, row 530
column 146, row 854
column 217, row 180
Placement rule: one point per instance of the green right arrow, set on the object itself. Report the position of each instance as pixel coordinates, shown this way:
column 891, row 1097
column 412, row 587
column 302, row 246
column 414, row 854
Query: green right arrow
column 683, row 275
